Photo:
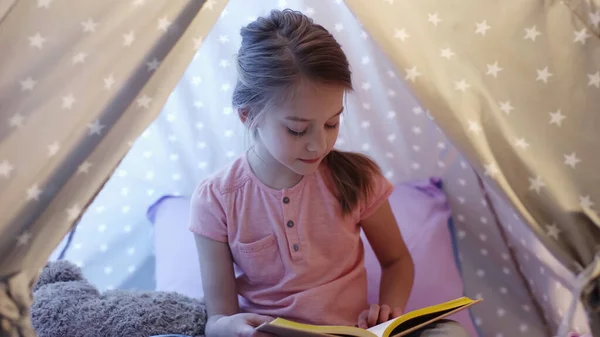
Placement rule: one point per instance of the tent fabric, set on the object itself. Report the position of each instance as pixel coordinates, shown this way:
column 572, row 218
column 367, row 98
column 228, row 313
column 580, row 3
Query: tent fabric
column 516, row 86
column 77, row 80
column 197, row 133
column 56, row 53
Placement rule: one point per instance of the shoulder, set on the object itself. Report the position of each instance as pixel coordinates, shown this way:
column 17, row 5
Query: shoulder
column 224, row 181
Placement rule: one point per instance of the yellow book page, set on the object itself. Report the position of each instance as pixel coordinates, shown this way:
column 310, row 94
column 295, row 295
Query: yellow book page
column 385, row 329
column 283, row 327
column 317, row 330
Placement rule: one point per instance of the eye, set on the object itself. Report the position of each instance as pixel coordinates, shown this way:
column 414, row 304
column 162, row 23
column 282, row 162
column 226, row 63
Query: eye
column 333, row 126
column 296, row 133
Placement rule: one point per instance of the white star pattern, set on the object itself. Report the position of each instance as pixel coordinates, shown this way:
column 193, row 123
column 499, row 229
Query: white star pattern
column 223, row 39
column 53, row 149
column 44, row 3
column 128, row 38
column 73, row 212
column 89, row 26
column 163, row 24
column 572, row 160
column 543, row 75
column 522, row 143
column 144, row 101
column 446, row 53
column 434, row 19
column 23, row 239
column 198, row 42
column 84, row 167
column 153, row 65
column 401, row 34
column 461, row 85
column 412, row 74
column 493, row 69
column 585, row 202
column 28, row 84
column 595, row 18
column 474, row 127
column 482, row 27
column 536, row 184
column 581, row 36
column 491, row 170
column 68, row 101
column 33, row 193
column 37, row 41
column 594, row 79
column 5, row 168
column 210, row 4
column 506, row 107
column 557, row 117
column 109, row 81
column 16, row 121
column 95, row 128
column 79, row 58
column 532, row 33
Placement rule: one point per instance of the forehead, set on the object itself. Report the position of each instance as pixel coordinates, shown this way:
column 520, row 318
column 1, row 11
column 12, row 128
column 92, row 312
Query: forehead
column 314, row 101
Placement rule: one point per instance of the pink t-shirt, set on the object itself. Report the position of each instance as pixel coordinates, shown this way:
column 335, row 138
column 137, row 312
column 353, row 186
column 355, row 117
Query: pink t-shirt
column 294, row 254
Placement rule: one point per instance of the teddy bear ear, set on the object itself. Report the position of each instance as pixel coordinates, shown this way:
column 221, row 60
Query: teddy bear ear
column 58, row 271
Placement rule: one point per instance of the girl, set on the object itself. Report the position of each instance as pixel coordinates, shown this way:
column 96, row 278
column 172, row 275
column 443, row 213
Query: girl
column 278, row 230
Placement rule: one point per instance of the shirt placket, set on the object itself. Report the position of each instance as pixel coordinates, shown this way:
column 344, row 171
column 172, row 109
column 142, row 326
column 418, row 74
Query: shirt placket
column 290, row 216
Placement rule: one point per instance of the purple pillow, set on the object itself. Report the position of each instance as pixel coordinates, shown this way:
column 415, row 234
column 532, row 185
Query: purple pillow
column 422, row 213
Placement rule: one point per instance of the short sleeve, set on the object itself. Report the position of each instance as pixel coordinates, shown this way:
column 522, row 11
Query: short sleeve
column 382, row 189
column 207, row 215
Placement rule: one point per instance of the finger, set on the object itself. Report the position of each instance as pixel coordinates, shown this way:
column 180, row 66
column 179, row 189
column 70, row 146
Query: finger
column 384, row 313
column 256, row 320
column 362, row 319
column 397, row 312
column 373, row 315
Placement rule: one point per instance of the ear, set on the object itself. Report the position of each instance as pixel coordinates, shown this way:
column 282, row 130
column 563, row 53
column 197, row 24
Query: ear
column 243, row 114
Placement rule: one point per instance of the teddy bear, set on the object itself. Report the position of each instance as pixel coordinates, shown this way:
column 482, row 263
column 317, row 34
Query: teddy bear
column 66, row 304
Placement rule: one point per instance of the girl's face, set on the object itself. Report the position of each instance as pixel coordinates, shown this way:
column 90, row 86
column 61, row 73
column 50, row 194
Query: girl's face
column 301, row 132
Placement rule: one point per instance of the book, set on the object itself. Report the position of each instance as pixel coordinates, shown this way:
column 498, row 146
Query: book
column 397, row 327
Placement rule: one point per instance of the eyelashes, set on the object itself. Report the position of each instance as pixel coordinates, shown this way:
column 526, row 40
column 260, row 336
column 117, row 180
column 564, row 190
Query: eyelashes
column 301, row 133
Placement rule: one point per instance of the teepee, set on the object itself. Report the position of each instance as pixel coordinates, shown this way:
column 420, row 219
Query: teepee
column 514, row 85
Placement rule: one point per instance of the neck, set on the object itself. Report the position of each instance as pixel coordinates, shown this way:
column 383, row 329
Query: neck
column 270, row 171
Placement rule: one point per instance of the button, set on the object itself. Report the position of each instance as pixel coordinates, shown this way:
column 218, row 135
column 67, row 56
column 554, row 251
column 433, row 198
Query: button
column 296, row 247
column 286, row 200
column 290, row 224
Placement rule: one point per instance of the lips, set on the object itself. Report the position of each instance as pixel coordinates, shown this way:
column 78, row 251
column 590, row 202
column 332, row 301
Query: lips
column 310, row 161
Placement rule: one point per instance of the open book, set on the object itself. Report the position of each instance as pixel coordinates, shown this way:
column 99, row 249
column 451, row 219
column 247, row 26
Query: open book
column 397, row 327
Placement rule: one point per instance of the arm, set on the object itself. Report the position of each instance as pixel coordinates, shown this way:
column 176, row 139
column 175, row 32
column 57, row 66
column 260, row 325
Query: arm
column 218, row 279
column 220, row 293
column 397, row 268
column 207, row 216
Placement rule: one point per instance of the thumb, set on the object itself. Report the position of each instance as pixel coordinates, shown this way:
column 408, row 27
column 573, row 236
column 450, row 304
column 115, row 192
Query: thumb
column 256, row 320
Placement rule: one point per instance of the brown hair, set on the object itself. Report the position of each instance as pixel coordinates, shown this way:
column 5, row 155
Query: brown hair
column 278, row 52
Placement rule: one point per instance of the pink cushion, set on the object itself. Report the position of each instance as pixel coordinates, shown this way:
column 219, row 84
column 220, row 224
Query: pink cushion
column 420, row 209
column 422, row 214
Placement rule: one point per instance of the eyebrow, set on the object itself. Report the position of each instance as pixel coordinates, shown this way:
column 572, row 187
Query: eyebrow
column 300, row 119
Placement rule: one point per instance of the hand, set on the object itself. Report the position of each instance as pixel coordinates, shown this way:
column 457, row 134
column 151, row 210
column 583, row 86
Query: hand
column 238, row 325
column 376, row 315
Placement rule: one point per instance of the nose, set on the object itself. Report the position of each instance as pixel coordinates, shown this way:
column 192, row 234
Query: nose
column 318, row 143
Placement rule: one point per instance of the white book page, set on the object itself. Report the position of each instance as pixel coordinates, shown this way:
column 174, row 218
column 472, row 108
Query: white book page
column 380, row 328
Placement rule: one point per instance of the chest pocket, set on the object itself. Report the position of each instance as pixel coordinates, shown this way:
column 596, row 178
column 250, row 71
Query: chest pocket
column 260, row 261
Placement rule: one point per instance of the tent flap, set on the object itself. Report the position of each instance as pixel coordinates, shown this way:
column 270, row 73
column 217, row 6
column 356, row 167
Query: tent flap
column 76, row 81
column 515, row 85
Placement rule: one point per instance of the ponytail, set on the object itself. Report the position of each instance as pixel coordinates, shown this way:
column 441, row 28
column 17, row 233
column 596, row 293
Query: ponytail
column 352, row 175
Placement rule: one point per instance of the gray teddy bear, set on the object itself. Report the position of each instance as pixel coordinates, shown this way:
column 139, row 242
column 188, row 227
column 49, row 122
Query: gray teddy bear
column 66, row 304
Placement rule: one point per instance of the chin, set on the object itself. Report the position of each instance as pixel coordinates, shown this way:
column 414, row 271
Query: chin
column 303, row 168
